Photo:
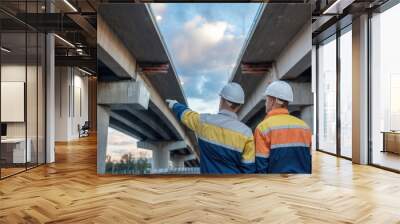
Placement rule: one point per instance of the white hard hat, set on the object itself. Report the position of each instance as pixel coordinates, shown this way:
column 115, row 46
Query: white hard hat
column 233, row 92
column 280, row 90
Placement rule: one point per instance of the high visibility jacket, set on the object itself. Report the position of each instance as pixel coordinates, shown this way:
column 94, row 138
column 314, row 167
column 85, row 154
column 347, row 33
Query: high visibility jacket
column 283, row 144
column 226, row 144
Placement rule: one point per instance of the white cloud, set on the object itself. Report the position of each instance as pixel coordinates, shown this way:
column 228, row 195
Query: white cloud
column 158, row 9
column 200, row 84
column 204, row 48
column 206, row 32
column 204, row 105
column 199, row 37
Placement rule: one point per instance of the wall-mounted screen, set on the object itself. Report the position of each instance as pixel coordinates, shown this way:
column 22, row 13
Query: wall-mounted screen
column 12, row 101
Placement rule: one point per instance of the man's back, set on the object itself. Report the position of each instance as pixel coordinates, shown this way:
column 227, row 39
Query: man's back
column 226, row 144
column 222, row 140
column 283, row 144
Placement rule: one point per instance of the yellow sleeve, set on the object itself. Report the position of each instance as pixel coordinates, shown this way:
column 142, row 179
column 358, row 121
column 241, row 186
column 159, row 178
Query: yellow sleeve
column 249, row 150
column 191, row 120
column 248, row 157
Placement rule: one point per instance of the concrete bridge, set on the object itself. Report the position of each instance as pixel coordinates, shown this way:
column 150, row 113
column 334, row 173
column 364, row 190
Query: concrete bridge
column 278, row 48
column 136, row 75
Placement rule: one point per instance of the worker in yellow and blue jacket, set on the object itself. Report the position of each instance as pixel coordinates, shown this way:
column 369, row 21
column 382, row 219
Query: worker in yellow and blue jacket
column 226, row 144
column 283, row 142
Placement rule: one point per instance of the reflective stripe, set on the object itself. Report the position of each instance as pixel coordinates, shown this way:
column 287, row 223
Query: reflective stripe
column 248, row 161
column 221, row 144
column 226, row 122
column 297, row 144
column 261, row 155
column 226, row 137
column 281, row 120
column 266, row 131
column 183, row 113
column 226, row 144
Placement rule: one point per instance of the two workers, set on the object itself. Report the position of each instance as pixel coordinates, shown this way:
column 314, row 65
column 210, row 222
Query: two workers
column 281, row 143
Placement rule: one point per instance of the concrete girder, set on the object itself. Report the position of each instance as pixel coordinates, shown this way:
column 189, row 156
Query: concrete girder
column 159, row 106
column 123, row 128
column 168, row 145
column 126, row 92
column 112, row 52
column 293, row 61
column 136, row 27
column 119, row 52
column 150, row 121
column 296, row 57
column 129, row 122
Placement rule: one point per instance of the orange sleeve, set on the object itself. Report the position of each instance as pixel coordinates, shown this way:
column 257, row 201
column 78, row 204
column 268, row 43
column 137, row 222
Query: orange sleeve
column 262, row 143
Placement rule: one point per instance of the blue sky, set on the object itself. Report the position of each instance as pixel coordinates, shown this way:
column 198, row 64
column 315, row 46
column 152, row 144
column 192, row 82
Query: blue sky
column 204, row 41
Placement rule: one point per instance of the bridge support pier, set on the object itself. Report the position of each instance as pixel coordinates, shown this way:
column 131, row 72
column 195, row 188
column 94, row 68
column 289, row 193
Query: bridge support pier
column 178, row 161
column 161, row 158
column 112, row 95
column 103, row 121
column 162, row 153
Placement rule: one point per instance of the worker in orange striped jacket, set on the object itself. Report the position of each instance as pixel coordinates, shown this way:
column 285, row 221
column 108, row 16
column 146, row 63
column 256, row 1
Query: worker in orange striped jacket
column 283, row 142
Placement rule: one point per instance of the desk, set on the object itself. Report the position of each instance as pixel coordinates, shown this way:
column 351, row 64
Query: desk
column 16, row 151
column 391, row 141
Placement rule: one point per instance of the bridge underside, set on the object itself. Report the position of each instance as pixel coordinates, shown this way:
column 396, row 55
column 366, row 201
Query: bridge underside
column 278, row 48
column 131, row 87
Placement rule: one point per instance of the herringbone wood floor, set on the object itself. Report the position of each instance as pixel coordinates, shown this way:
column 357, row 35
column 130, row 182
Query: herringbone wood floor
column 69, row 191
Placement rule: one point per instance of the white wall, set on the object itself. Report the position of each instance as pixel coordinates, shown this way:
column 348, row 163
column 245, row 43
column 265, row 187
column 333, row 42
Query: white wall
column 70, row 83
column 33, row 127
column 16, row 73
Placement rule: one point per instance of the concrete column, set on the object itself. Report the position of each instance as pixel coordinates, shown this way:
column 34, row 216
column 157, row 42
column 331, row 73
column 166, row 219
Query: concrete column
column 63, row 104
column 161, row 157
column 103, row 121
column 314, row 92
column 161, row 153
column 307, row 115
column 360, row 90
column 50, row 94
column 178, row 161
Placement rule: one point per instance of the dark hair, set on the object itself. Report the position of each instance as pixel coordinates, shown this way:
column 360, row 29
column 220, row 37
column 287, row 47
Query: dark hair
column 233, row 105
